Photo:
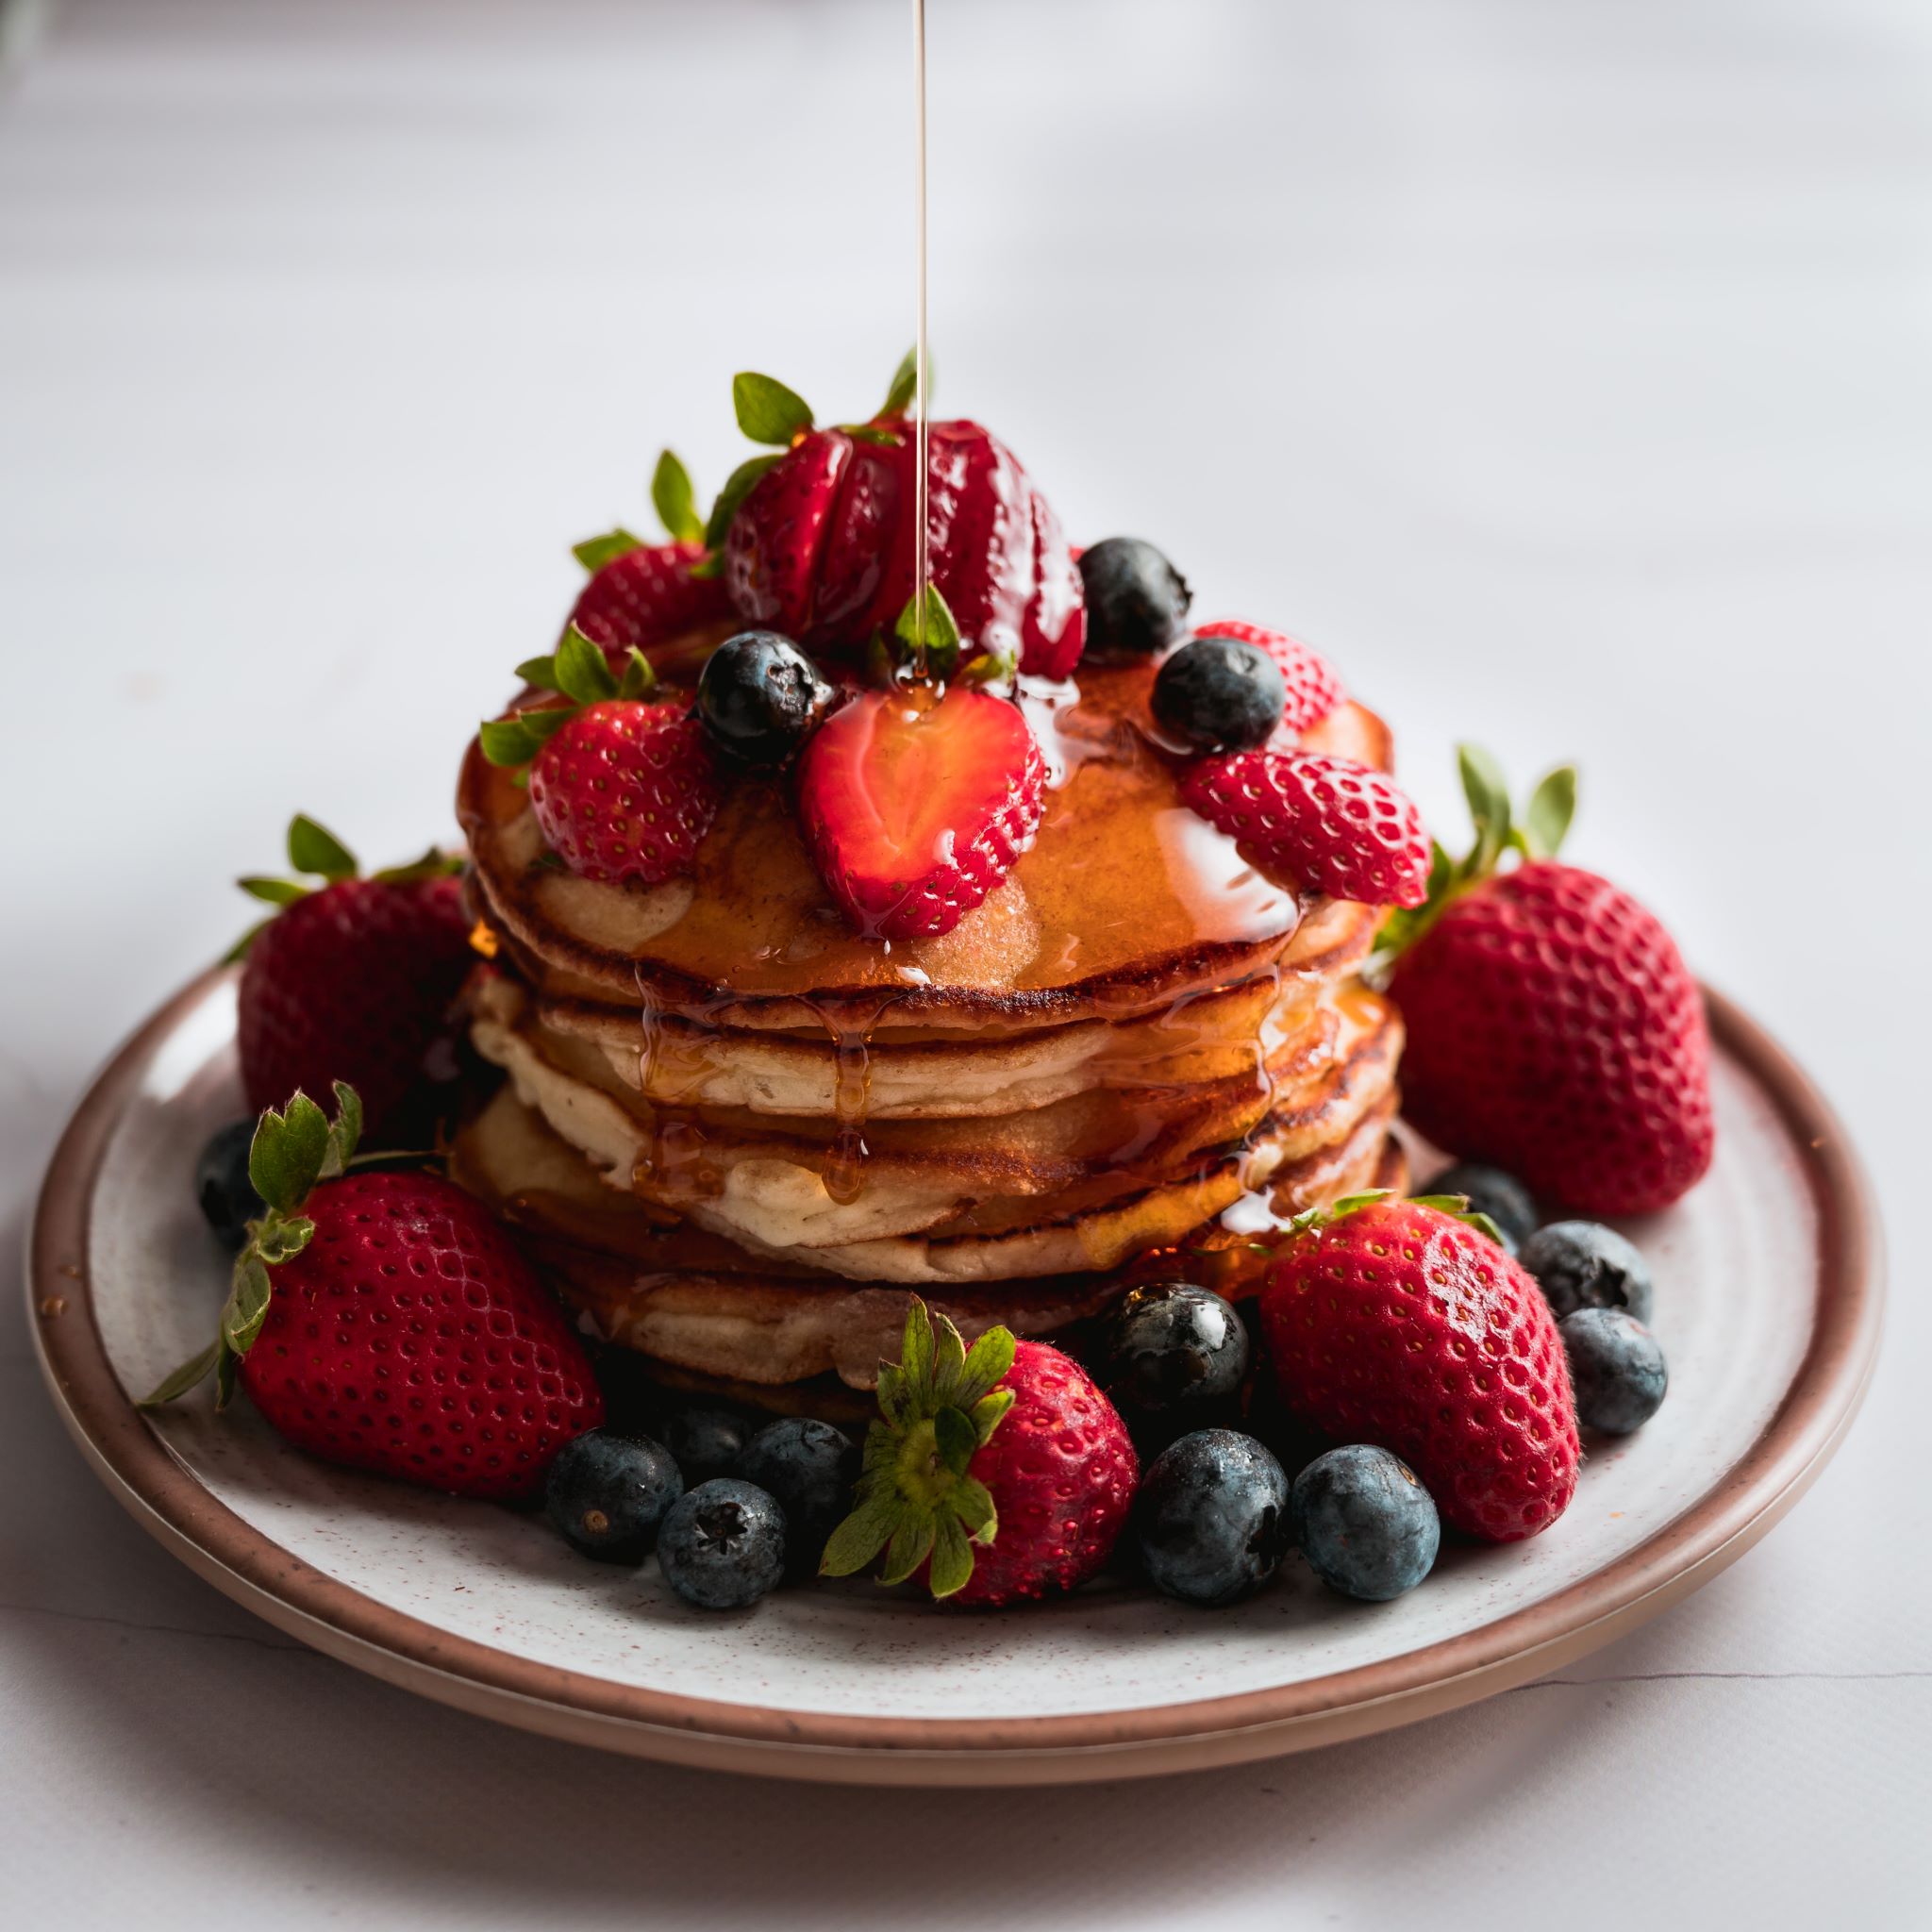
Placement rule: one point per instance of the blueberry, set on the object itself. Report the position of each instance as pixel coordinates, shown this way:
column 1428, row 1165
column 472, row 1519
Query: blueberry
column 706, row 1441
column 1220, row 695
column 760, row 697
column 722, row 1544
column 606, row 1494
column 1490, row 1191
column 809, row 1468
column 1616, row 1369
column 1137, row 602
column 1578, row 1264
column 1172, row 1352
column 1367, row 1526
column 227, row 1196
column 1210, row 1519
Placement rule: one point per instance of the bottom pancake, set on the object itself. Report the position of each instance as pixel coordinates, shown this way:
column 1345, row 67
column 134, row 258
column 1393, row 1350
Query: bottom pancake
column 735, row 1319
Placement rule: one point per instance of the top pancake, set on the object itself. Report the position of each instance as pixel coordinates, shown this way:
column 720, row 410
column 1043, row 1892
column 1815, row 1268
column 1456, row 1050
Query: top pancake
column 1125, row 901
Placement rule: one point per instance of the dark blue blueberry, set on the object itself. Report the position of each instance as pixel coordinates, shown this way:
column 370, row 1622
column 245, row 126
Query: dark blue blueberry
column 722, row 1544
column 1367, row 1526
column 606, row 1494
column 1173, row 1354
column 1220, row 695
column 759, row 696
column 1578, row 1264
column 1490, row 1191
column 811, row 1468
column 1616, row 1369
column 1210, row 1519
column 227, row 1196
column 706, row 1441
column 1137, row 602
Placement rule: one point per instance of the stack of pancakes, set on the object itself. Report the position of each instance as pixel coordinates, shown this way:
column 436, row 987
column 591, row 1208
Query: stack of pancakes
column 736, row 1133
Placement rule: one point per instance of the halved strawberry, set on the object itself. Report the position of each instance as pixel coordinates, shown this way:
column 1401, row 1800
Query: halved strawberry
column 1314, row 688
column 916, row 810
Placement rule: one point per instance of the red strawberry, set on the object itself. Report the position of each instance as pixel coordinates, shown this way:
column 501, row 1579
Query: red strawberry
column 647, row 597
column 1002, row 1471
column 822, row 546
column 1329, row 823
column 353, row 980
column 914, row 812
column 1391, row 1321
column 621, row 789
column 1314, row 688
column 386, row 1321
column 626, row 790
column 1553, row 1026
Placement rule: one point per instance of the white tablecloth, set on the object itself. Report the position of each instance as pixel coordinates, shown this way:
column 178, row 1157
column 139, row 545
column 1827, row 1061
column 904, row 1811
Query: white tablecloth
column 1561, row 369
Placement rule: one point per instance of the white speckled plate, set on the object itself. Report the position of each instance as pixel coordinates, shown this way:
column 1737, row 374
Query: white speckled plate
column 1768, row 1304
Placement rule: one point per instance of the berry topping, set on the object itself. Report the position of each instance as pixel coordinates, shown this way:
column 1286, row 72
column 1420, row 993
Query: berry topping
column 227, row 1196
column 1211, row 1521
column 608, row 1493
column 1329, row 823
column 914, row 809
column 707, row 1442
column 1616, row 1368
column 353, row 979
column 809, row 1468
column 1137, row 602
column 1002, row 1471
column 386, row 1321
column 1394, row 1322
column 1169, row 1352
column 819, row 541
column 1313, row 689
column 1367, row 1526
column 621, row 789
column 722, row 1544
column 759, row 695
column 1581, row 1264
column 1218, row 694
column 1553, row 1026
column 1490, row 1190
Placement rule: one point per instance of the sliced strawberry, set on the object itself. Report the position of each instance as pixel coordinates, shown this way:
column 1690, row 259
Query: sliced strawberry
column 648, row 596
column 1313, row 689
column 915, row 812
column 1329, row 823
column 626, row 790
column 772, row 550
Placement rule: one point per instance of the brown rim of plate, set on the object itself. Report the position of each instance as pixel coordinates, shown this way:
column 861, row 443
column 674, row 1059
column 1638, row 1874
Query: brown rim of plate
column 171, row 1505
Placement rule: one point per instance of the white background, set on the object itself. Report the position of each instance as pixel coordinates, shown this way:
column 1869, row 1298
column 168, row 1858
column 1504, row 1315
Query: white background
column 1559, row 366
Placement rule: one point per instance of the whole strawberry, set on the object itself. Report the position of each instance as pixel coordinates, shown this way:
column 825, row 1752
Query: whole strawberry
column 1329, row 823
column 384, row 1320
column 1398, row 1324
column 352, row 979
column 650, row 597
column 1553, row 1026
column 622, row 789
column 1002, row 1471
column 819, row 541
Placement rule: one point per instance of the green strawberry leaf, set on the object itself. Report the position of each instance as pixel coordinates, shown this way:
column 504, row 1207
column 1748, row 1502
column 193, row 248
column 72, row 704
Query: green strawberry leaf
column 859, row 1538
column 285, row 1157
column 583, row 672
column 344, row 1131
column 1457, row 1209
column 1546, row 818
column 593, row 553
column 911, row 1545
column 917, row 1348
column 196, row 1369
column 507, row 740
column 904, row 385
column 226, row 1362
column 956, row 1438
column 986, row 1363
column 767, row 410
column 672, row 498
column 248, row 1299
column 989, row 1411
column 639, row 680
column 991, row 667
column 540, row 672
column 1488, row 793
column 275, row 892
column 951, row 1557
column 737, row 485
column 281, row 1239
column 929, row 620
column 434, row 864
column 314, row 849
column 972, row 1505
column 867, row 432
